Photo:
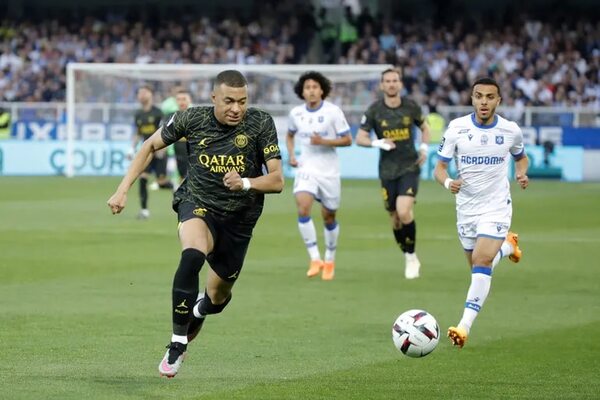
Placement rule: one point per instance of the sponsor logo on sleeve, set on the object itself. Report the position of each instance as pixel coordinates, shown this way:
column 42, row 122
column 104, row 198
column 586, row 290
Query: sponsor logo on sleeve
column 441, row 147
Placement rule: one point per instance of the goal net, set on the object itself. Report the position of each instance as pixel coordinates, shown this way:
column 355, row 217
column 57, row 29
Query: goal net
column 101, row 101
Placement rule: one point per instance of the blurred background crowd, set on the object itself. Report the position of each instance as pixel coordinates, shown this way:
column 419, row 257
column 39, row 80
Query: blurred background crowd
column 540, row 59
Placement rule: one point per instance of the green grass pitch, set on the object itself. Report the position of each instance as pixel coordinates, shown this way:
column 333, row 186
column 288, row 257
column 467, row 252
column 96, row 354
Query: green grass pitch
column 85, row 302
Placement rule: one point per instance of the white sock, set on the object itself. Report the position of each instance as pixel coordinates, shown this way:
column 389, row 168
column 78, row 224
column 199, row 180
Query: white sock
column 179, row 338
column 411, row 257
column 331, row 233
column 309, row 235
column 481, row 280
column 505, row 251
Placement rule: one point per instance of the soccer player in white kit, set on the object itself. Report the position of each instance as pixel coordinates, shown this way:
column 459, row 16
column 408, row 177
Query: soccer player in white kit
column 318, row 126
column 480, row 144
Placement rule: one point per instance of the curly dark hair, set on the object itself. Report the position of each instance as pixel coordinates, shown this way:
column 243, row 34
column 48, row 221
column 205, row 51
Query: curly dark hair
column 317, row 77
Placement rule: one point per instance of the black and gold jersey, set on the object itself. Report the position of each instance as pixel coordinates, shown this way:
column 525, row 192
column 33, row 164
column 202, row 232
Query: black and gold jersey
column 147, row 122
column 214, row 150
column 396, row 124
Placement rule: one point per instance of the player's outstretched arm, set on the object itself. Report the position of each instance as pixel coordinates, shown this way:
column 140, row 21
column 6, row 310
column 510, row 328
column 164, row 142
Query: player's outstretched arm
column 424, row 147
column 117, row 201
column 363, row 138
column 521, row 166
column 289, row 142
column 425, row 132
column 270, row 183
column 342, row 141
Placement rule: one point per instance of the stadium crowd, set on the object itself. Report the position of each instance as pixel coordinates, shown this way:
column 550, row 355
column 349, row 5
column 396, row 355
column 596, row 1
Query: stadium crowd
column 537, row 63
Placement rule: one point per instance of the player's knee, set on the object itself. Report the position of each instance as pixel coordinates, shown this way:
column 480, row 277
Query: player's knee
column 482, row 260
column 191, row 262
column 329, row 218
column 404, row 216
column 304, row 206
column 208, row 307
column 395, row 220
column 303, row 212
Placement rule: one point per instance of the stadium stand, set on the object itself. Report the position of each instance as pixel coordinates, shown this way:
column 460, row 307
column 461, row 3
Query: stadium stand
column 540, row 63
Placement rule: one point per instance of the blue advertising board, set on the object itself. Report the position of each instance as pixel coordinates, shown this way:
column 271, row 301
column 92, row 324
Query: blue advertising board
column 18, row 157
column 23, row 157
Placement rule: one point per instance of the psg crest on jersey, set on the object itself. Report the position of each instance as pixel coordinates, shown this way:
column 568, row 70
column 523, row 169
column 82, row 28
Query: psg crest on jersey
column 500, row 139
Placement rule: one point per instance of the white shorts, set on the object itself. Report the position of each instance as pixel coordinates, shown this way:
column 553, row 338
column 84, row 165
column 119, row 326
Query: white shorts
column 327, row 190
column 494, row 225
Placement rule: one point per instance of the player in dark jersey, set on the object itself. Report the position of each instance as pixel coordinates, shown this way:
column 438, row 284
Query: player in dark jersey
column 147, row 121
column 392, row 119
column 218, row 203
column 184, row 100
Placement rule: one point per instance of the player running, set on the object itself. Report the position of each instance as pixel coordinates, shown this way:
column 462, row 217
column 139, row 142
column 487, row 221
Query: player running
column 319, row 127
column 392, row 119
column 480, row 144
column 147, row 121
column 217, row 205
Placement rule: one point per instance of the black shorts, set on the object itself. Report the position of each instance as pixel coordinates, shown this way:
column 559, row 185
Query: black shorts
column 231, row 240
column 158, row 166
column 406, row 185
column 181, row 156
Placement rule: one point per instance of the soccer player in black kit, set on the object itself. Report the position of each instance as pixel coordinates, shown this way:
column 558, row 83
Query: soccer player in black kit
column 184, row 100
column 147, row 121
column 392, row 119
column 218, row 204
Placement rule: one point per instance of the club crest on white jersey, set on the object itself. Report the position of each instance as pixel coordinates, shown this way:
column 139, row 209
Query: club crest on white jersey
column 481, row 154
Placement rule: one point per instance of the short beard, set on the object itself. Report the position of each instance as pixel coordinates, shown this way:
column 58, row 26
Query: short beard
column 490, row 117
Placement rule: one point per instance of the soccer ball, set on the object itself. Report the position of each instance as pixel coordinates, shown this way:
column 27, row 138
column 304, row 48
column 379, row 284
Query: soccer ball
column 416, row 333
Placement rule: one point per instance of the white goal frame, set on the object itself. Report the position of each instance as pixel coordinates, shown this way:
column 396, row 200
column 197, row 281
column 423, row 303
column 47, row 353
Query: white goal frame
column 167, row 72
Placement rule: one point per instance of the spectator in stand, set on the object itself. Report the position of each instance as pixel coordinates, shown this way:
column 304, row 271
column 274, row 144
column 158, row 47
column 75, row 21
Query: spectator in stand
column 33, row 57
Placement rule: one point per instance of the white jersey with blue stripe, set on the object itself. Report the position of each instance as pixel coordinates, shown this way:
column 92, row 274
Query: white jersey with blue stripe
column 481, row 154
column 328, row 121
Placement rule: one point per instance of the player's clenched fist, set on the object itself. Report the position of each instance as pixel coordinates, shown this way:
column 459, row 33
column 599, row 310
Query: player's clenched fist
column 116, row 203
column 455, row 185
column 523, row 181
column 233, row 181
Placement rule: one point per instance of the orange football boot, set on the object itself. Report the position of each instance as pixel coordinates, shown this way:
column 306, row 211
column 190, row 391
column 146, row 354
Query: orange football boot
column 328, row 270
column 457, row 335
column 513, row 239
column 315, row 268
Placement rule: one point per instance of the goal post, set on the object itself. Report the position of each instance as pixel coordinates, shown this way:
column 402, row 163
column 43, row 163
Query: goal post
column 101, row 97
